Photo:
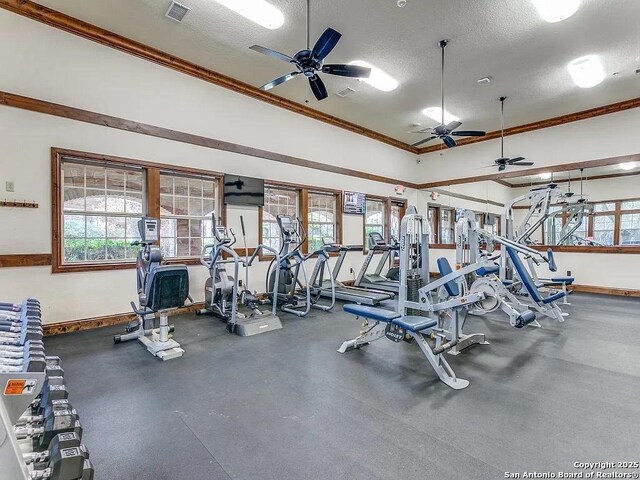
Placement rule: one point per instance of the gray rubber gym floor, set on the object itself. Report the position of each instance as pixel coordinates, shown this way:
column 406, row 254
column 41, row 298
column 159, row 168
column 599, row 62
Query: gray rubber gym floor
column 286, row 405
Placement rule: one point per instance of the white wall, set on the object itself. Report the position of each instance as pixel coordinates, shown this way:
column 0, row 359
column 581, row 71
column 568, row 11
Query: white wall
column 599, row 137
column 42, row 62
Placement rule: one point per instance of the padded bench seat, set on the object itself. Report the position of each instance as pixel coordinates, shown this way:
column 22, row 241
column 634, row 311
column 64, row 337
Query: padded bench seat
column 372, row 313
column 482, row 271
column 414, row 323
column 553, row 298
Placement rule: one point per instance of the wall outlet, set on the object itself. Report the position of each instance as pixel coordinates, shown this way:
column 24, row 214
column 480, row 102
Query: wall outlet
column 9, row 186
column 568, row 273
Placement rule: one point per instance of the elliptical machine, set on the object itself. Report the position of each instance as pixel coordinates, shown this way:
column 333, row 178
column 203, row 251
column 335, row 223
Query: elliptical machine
column 293, row 295
column 160, row 289
column 221, row 289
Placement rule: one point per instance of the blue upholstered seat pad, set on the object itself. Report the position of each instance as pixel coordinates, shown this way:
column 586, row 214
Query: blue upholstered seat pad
column 373, row 313
column 445, row 269
column 482, row 271
column 528, row 282
column 414, row 323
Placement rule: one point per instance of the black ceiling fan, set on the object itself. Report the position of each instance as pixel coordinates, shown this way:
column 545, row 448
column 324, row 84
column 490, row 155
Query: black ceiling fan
column 503, row 162
column 310, row 61
column 442, row 131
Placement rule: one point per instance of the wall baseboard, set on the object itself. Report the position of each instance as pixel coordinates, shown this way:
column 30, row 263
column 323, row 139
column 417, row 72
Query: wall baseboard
column 621, row 292
column 105, row 321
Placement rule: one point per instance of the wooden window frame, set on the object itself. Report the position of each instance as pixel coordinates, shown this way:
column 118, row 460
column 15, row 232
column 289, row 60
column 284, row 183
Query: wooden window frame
column 152, row 201
column 303, row 210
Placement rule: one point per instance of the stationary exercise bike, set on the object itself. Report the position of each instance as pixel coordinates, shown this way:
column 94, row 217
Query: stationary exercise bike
column 160, row 289
column 223, row 297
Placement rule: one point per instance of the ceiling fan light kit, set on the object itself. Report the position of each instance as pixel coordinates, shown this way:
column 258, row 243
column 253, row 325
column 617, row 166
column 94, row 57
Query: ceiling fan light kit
column 310, row 61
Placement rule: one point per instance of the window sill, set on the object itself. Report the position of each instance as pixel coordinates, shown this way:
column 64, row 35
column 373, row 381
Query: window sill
column 92, row 267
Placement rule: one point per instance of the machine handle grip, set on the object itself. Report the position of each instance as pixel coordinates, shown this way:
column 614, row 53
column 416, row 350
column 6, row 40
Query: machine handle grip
column 242, row 225
column 552, row 263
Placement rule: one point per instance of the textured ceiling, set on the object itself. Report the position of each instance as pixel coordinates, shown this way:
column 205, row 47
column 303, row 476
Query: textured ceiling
column 504, row 39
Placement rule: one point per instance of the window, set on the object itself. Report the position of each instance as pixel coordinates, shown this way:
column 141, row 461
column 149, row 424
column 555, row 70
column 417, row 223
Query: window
column 396, row 214
column 321, row 219
column 433, row 225
column 447, row 221
column 277, row 201
column 630, row 222
column 101, row 206
column 553, row 225
column 373, row 218
column 186, row 205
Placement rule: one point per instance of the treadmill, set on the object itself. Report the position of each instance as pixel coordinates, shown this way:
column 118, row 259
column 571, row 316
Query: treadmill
column 343, row 292
column 376, row 280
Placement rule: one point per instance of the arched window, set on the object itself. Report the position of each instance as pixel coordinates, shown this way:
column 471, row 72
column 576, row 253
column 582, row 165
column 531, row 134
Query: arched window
column 277, row 201
column 321, row 219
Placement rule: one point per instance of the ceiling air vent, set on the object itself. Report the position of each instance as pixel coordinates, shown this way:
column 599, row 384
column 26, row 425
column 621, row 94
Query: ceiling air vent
column 177, row 11
column 345, row 92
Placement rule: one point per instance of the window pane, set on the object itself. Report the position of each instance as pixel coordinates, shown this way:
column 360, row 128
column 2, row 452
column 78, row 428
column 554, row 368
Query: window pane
column 603, row 226
column 604, row 207
column 185, row 205
column 277, row 201
column 630, row 205
column 90, row 234
column 373, row 219
column 446, row 225
column 322, row 215
column 630, row 229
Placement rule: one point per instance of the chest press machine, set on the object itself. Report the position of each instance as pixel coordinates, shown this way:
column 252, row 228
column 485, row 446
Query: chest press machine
column 433, row 321
column 499, row 293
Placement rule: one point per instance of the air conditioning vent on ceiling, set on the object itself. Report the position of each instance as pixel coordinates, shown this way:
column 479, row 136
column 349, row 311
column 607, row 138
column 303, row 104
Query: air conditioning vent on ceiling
column 177, row 11
column 345, row 92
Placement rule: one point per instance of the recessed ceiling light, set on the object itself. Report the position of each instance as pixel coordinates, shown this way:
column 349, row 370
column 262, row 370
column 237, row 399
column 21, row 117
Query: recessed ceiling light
column 258, row 11
column 484, row 80
column 586, row 71
column 628, row 165
column 436, row 114
column 379, row 78
column 545, row 175
column 556, row 10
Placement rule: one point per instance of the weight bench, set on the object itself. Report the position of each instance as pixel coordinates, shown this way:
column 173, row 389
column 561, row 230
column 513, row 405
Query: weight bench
column 544, row 305
column 395, row 327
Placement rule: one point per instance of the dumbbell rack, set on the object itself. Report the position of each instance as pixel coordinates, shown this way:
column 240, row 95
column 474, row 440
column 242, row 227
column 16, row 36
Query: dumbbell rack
column 29, row 382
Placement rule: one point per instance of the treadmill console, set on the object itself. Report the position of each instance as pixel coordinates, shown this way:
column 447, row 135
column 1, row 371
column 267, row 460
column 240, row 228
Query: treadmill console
column 376, row 240
column 148, row 228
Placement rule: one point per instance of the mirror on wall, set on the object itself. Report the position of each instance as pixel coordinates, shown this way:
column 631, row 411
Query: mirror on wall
column 592, row 207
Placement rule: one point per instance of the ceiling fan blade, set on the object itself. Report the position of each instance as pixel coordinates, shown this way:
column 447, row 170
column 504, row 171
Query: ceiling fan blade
column 516, row 160
column 318, row 88
column 278, row 81
column 448, row 141
column 272, row 53
column 453, row 125
column 522, row 164
column 354, row 71
column 325, row 43
column 469, row 133
column 428, row 139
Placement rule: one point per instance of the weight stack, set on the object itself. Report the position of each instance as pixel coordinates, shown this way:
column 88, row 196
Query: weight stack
column 414, row 283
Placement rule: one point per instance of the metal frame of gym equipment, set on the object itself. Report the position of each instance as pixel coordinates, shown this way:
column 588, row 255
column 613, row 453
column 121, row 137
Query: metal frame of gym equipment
column 375, row 280
column 342, row 291
column 220, row 288
column 290, row 264
column 502, row 290
column 576, row 213
column 149, row 268
column 435, row 315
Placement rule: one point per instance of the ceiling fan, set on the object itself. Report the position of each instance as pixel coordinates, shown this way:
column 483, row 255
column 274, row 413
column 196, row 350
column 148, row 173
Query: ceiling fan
column 503, row 162
column 442, row 131
column 310, row 61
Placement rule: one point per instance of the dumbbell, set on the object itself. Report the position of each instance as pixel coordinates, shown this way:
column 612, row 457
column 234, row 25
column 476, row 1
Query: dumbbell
column 27, row 332
column 60, row 441
column 49, row 393
column 53, row 406
column 29, row 303
column 25, row 361
column 17, row 351
column 56, row 421
column 69, row 463
column 20, row 314
column 54, row 367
